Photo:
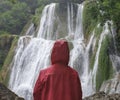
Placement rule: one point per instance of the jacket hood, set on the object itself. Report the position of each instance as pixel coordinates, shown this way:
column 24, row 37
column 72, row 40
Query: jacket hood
column 60, row 52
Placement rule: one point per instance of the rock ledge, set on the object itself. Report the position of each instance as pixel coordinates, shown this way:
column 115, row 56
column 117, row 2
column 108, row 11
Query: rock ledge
column 6, row 94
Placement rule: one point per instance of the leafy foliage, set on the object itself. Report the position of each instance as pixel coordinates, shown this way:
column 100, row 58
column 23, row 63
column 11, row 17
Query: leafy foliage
column 13, row 19
column 32, row 4
column 110, row 10
column 58, row 1
column 4, row 6
column 90, row 16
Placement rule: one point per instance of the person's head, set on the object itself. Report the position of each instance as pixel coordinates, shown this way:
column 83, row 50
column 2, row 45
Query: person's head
column 60, row 52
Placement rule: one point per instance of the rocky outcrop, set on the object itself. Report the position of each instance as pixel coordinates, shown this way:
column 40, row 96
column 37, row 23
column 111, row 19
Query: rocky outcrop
column 7, row 47
column 111, row 90
column 103, row 96
column 5, row 44
column 6, row 94
column 112, row 86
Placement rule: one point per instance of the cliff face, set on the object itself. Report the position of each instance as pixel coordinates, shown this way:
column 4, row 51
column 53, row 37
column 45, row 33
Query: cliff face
column 6, row 94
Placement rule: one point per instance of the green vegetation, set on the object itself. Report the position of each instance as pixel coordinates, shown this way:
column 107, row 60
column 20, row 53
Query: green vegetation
column 97, row 31
column 90, row 17
column 118, row 42
column 40, row 2
column 4, row 72
column 8, row 61
column 32, row 4
column 110, row 10
column 105, row 69
column 13, row 17
column 37, row 16
column 92, row 60
column 100, row 11
column 5, row 44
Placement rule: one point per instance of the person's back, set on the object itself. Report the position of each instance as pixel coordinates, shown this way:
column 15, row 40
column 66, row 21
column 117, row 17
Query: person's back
column 58, row 81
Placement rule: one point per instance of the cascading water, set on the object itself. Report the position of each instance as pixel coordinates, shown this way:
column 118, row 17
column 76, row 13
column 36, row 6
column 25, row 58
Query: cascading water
column 27, row 63
column 47, row 22
column 86, row 76
column 33, row 53
column 30, row 30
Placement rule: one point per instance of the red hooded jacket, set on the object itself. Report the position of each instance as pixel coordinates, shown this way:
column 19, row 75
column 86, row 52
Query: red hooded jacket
column 59, row 81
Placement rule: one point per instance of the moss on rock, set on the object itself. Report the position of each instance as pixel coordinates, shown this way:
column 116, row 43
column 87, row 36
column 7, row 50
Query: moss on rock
column 5, row 44
column 105, row 69
column 4, row 72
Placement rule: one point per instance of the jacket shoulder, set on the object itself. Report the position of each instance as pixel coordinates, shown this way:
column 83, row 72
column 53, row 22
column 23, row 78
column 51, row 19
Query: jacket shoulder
column 72, row 71
column 43, row 71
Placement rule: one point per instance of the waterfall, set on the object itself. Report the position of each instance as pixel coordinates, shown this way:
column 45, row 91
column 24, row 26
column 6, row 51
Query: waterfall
column 70, row 18
column 27, row 63
column 77, row 31
column 86, row 77
column 47, row 22
column 30, row 30
column 33, row 53
column 79, row 26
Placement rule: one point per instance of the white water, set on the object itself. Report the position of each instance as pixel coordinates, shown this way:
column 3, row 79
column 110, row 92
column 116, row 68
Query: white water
column 33, row 53
column 30, row 30
column 86, row 77
column 47, row 22
column 27, row 64
column 75, row 29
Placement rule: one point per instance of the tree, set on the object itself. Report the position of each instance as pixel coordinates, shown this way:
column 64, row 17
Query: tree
column 110, row 10
column 33, row 4
column 5, row 6
column 13, row 20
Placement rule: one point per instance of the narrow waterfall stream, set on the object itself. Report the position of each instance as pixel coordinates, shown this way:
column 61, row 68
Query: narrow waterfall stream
column 33, row 53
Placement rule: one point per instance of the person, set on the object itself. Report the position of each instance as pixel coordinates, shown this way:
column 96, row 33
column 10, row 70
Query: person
column 59, row 81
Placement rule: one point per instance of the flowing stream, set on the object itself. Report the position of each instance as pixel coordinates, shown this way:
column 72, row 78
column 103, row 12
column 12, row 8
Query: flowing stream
column 33, row 53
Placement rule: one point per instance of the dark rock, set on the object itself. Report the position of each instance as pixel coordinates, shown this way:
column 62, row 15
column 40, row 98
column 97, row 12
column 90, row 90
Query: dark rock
column 6, row 94
column 103, row 96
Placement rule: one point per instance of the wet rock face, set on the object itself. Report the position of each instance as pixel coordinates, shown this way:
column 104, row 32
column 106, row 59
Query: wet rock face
column 103, row 96
column 6, row 94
